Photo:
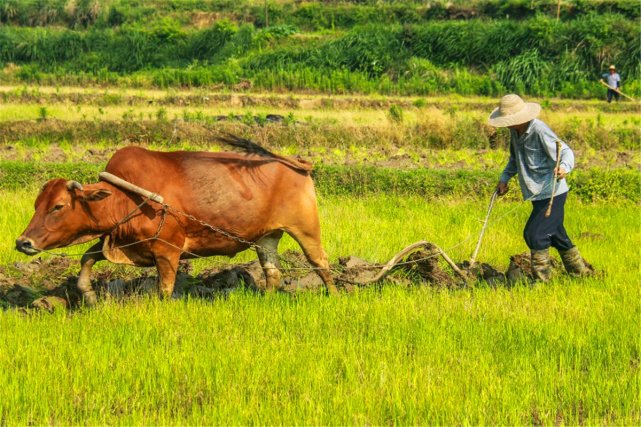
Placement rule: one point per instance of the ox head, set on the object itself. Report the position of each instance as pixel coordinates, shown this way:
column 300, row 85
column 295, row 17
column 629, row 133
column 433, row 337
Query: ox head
column 63, row 217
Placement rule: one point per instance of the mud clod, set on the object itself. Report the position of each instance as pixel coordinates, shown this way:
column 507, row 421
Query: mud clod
column 485, row 273
column 50, row 304
column 427, row 263
column 248, row 275
column 520, row 268
column 356, row 271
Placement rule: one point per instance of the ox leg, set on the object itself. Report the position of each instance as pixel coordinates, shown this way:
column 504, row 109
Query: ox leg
column 167, row 266
column 267, row 250
column 316, row 255
column 93, row 255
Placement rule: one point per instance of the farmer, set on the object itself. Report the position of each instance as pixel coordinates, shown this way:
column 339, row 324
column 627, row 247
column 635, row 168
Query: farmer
column 613, row 80
column 532, row 157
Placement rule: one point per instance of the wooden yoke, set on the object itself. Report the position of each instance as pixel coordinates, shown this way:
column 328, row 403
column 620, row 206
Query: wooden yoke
column 125, row 185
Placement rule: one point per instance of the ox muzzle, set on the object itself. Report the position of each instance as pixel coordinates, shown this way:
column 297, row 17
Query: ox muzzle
column 25, row 245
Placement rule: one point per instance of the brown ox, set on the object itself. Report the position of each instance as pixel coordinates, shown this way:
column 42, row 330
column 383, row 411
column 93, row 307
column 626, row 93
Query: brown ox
column 249, row 197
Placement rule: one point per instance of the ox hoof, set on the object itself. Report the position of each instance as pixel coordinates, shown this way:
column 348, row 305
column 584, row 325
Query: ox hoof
column 272, row 289
column 332, row 291
column 164, row 295
column 89, row 298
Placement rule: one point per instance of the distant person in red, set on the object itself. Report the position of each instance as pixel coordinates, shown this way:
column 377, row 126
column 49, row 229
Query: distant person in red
column 613, row 80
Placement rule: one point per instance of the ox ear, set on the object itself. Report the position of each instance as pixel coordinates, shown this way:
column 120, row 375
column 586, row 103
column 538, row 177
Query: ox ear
column 95, row 195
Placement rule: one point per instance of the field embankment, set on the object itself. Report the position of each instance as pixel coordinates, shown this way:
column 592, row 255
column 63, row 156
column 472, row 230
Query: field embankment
column 593, row 185
column 73, row 124
column 432, row 147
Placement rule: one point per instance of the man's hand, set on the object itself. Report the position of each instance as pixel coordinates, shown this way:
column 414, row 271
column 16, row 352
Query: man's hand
column 501, row 188
column 560, row 173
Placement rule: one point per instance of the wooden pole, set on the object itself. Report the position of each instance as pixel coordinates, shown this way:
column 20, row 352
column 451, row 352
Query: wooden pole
column 616, row 90
column 487, row 217
column 548, row 212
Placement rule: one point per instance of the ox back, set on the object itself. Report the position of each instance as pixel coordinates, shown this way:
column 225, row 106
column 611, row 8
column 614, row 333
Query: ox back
column 244, row 195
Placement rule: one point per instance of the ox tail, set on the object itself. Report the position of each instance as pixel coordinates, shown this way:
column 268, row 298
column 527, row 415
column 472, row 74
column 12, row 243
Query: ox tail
column 250, row 147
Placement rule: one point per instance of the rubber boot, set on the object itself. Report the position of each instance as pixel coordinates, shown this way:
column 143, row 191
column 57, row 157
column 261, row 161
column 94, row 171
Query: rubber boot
column 541, row 265
column 574, row 263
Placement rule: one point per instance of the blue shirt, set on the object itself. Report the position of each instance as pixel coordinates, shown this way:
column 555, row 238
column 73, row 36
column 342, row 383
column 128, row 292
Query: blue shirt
column 533, row 158
column 613, row 80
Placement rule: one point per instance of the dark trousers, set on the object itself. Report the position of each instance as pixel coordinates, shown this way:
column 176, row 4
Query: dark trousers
column 541, row 232
column 613, row 93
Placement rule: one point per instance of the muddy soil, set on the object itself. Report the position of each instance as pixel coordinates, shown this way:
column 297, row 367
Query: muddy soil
column 51, row 284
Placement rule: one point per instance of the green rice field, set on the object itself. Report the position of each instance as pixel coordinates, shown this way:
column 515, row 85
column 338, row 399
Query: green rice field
column 566, row 352
column 562, row 353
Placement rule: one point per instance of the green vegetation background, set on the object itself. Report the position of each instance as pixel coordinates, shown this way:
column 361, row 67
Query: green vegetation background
column 482, row 47
column 562, row 353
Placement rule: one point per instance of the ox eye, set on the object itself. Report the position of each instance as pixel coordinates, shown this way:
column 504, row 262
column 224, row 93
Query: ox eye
column 56, row 208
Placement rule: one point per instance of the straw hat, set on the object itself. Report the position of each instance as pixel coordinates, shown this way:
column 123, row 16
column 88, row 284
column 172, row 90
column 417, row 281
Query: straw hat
column 513, row 111
column 612, row 67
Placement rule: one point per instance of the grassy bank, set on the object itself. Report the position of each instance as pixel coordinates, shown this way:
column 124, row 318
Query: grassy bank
column 328, row 15
column 423, row 56
column 212, row 98
column 343, row 129
column 588, row 185
column 565, row 353
column 372, row 130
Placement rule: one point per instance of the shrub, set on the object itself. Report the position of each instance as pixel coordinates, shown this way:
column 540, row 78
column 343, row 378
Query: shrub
column 535, row 56
column 395, row 113
column 43, row 113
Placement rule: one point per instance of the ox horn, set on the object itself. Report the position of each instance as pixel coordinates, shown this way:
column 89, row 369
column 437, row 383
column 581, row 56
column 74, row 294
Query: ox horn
column 71, row 185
